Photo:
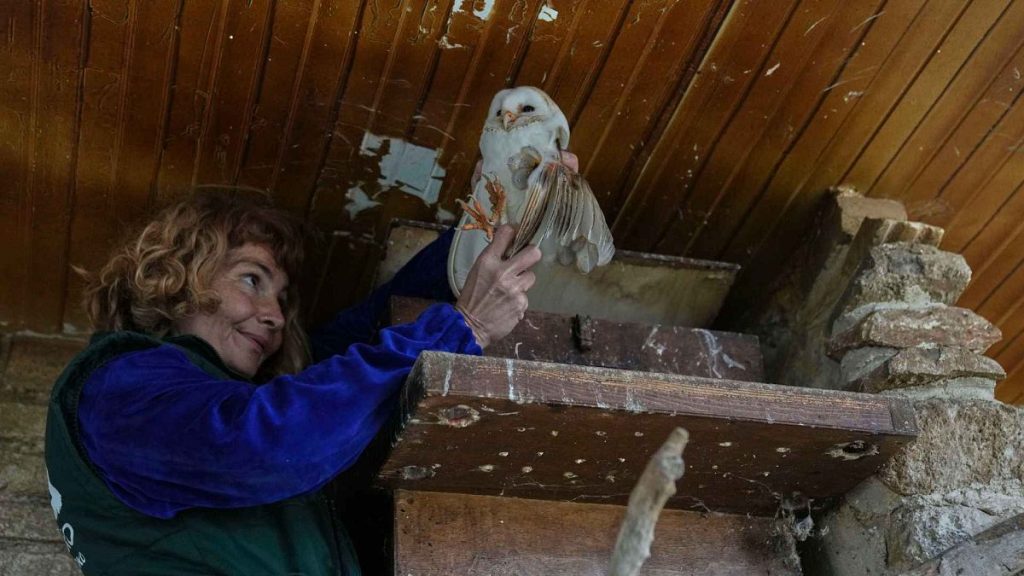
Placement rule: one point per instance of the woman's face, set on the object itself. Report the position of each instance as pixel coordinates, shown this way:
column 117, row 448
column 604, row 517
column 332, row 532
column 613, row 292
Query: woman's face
column 247, row 327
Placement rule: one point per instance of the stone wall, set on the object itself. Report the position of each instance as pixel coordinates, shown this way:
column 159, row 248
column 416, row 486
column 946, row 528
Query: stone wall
column 30, row 543
column 884, row 322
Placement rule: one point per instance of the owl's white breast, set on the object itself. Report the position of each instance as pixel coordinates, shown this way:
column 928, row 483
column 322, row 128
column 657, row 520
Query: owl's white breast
column 497, row 146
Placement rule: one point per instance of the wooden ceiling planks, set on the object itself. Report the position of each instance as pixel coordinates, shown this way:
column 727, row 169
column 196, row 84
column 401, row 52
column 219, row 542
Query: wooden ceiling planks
column 45, row 101
column 17, row 106
column 120, row 137
column 708, row 129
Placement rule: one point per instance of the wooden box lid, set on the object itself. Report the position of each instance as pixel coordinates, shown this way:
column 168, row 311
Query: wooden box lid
column 491, row 426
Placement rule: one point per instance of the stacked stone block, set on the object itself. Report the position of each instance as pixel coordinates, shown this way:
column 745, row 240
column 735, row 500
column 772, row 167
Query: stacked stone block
column 897, row 331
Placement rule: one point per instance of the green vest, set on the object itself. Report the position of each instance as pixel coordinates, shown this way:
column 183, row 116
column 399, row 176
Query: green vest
column 295, row 536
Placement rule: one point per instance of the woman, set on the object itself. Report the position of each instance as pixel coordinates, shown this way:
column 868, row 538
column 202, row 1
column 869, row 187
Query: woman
column 164, row 458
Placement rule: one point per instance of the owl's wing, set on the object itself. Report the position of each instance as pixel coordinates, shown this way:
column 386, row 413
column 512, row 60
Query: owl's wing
column 560, row 203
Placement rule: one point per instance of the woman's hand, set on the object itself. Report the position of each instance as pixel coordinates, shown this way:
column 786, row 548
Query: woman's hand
column 493, row 299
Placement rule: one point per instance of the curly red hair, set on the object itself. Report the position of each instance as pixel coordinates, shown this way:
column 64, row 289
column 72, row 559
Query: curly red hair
column 163, row 273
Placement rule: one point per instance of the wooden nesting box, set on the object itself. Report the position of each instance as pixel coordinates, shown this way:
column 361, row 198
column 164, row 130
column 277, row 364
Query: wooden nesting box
column 521, row 461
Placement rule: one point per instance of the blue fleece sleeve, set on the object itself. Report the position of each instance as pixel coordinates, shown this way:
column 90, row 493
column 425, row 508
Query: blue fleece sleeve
column 166, row 436
column 424, row 276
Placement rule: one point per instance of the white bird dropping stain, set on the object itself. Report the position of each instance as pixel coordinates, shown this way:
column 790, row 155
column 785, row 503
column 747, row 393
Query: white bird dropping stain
column 486, row 468
column 725, row 444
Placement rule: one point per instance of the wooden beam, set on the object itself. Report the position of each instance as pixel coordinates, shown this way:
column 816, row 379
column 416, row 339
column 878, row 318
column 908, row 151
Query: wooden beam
column 574, row 433
column 558, row 338
column 441, row 534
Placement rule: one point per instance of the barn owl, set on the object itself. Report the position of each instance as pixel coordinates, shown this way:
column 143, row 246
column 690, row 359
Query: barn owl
column 524, row 182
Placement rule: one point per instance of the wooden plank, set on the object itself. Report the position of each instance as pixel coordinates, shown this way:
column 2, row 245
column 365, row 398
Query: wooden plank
column 441, row 534
column 545, row 337
column 16, row 113
column 236, row 75
column 573, row 433
column 650, row 56
column 56, row 92
column 990, row 67
column 710, row 101
column 125, row 98
column 996, row 250
column 778, row 220
column 290, row 26
column 783, row 99
column 327, row 53
column 954, row 55
column 197, row 45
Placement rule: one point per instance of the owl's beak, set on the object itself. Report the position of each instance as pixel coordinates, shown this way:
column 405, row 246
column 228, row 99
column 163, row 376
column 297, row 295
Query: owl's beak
column 507, row 119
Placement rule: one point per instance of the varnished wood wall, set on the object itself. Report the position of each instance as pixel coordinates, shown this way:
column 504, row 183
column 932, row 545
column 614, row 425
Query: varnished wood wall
column 709, row 128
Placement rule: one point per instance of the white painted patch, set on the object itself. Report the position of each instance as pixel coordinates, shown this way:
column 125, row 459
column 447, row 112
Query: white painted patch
column 483, row 13
column 358, row 201
column 443, row 216
column 547, row 14
column 413, row 169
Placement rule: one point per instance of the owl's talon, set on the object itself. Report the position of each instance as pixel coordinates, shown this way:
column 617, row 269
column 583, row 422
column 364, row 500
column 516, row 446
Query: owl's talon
column 481, row 222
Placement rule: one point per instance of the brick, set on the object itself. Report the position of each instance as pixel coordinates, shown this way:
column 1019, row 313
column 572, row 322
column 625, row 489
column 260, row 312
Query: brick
column 925, row 366
column 34, row 364
column 28, row 519
column 24, row 426
column 909, row 328
column 907, row 272
column 22, row 474
column 19, row 558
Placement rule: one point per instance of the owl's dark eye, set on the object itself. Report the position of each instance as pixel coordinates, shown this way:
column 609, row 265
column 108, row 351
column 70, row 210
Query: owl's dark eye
column 528, row 108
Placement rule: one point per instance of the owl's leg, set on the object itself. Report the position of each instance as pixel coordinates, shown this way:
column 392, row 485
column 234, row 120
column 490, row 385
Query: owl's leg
column 496, row 193
column 480, row 220
column 483, row 221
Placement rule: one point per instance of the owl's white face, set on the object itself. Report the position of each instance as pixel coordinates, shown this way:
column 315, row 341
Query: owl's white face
column 515, row 108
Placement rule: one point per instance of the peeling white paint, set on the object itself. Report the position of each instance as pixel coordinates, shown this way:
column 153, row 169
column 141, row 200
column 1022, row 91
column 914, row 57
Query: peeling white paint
column 659, row 349
column 732, row 362
column 443, row 216
column 483, row 13
column 444, row 43
column 511, row 381
column 358, row 201
column 713, row 348
column 547, row 14
column 411, row 168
